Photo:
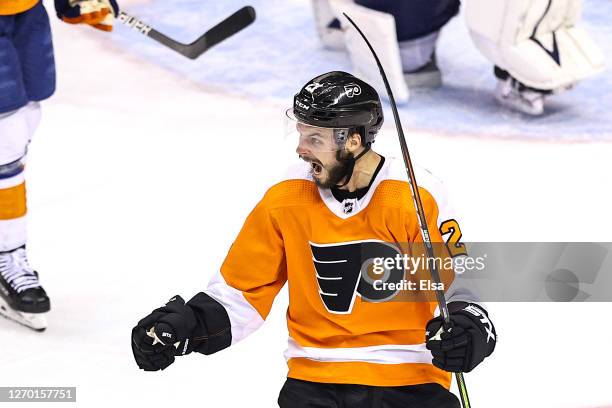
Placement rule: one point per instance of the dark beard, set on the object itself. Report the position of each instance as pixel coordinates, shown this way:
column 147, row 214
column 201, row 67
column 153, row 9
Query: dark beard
column 338, row 172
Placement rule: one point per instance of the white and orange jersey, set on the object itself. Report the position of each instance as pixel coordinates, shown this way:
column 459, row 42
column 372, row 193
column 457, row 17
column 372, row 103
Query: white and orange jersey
column 11, row 7
column 300, row 234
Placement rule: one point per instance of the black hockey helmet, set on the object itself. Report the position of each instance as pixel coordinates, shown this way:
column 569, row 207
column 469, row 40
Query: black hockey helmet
column 341, row 101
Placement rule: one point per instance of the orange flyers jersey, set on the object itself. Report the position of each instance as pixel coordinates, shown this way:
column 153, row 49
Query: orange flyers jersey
column 300, row 234
column 10, row 7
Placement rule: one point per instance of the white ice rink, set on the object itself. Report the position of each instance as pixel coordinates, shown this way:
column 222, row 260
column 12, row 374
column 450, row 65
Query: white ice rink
column 139, row 180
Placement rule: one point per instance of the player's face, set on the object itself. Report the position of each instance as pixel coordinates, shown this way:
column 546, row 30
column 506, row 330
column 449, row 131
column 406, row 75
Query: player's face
column 318, row 147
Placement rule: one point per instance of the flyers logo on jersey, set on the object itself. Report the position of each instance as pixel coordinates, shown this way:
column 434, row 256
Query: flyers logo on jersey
column 342, row 273
column 352, row 90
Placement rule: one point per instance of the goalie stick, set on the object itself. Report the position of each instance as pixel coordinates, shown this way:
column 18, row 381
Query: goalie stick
column 418, row 204
column 225, row 29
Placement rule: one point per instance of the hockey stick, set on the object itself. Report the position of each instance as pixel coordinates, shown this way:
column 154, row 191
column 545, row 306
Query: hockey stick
column 225, row 29
column 418, row 204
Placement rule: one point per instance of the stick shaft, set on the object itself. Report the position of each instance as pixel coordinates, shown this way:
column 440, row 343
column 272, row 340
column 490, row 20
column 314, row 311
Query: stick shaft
column 418, row 204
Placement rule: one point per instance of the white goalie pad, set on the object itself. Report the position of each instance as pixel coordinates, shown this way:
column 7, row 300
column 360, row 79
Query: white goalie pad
column 379, row 28
column 330, row 37
column 537, row 41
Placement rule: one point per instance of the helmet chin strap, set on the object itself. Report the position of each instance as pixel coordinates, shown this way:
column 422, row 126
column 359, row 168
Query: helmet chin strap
column 351, row 166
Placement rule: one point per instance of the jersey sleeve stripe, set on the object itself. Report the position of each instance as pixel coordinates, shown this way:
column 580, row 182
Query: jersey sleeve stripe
column 243, row 317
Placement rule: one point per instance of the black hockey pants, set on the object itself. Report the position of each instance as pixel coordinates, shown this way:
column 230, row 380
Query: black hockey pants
column 304, row 394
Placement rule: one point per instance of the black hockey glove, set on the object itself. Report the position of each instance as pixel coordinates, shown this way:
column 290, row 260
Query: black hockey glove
column 178, row 328
column 471, row 338
column 163, row 334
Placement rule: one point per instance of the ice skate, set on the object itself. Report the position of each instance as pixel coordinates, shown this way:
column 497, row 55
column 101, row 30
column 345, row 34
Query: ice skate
column 514, row 95
column 22, row 298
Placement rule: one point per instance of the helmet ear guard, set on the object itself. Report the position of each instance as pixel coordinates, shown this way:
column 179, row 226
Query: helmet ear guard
column 342, row 135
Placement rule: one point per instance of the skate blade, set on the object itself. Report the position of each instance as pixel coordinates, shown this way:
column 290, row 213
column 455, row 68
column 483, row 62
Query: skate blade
column 35, row 321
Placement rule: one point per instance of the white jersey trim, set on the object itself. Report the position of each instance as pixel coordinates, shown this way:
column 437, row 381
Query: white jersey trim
column 244, row 318
column 383, row 354
column 392, row 169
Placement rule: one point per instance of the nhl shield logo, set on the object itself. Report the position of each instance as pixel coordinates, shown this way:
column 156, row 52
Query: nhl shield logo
column 348, row 205
column 352, row 90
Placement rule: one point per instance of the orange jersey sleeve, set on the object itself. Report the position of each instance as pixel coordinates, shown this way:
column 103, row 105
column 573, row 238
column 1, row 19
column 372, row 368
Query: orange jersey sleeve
column 255, row 264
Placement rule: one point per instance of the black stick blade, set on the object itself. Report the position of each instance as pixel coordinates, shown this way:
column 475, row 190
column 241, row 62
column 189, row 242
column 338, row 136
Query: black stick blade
column 225, row 29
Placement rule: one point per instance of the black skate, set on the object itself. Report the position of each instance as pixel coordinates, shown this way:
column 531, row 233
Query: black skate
column 22, row 299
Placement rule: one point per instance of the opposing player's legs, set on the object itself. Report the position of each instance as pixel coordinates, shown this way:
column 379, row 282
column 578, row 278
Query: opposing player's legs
column 32, row 41
column 21, row 296
column 13, row 93
column 27, row 74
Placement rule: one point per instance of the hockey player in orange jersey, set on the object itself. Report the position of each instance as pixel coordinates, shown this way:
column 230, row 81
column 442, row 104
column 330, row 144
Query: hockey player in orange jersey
column 311, row 229
column 27, row 76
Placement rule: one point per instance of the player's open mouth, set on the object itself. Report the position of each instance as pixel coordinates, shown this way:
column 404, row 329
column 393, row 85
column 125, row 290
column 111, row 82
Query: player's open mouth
column 316, row 168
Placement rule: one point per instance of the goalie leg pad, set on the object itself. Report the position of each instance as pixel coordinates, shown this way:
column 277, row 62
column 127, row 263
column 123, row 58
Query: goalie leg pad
column 537, row 42
column 328, row 25
column 379, row 27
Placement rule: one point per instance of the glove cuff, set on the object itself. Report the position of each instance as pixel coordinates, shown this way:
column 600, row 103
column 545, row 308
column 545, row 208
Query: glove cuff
column 479, row 316
column 213, row 328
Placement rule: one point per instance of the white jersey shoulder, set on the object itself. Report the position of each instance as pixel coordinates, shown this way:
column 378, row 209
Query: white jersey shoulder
column 380, row 29
column 393, row 169
column 427, row 181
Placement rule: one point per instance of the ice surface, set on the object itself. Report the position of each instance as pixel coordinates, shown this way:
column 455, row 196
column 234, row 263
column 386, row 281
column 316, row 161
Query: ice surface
column 274, row 56
column 146, row 165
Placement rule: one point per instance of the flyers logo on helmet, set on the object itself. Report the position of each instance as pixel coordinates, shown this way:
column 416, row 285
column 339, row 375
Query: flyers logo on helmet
column 352, row 90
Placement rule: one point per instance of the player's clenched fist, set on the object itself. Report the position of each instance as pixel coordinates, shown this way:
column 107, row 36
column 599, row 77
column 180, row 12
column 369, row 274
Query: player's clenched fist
column 163, row 334
column 470, row 339
column 97, row 13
